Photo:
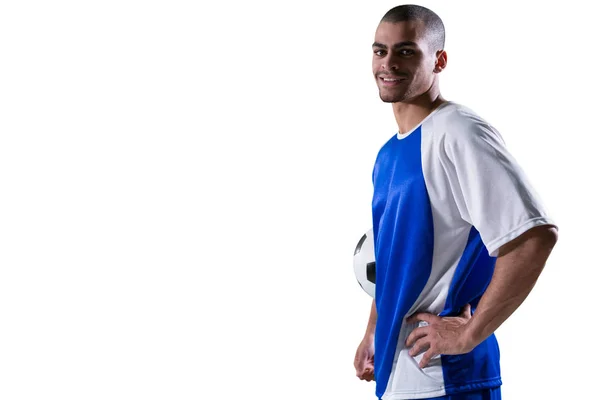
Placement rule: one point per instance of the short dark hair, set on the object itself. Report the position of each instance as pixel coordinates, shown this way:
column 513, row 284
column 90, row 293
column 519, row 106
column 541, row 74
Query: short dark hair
column 436, row 33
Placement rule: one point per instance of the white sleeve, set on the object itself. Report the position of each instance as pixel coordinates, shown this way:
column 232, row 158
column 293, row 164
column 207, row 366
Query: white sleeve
column 490, row 189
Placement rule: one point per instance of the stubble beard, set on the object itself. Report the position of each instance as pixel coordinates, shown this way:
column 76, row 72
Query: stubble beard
column 394, row 97
column 391, row 98
column 401, row 94
column 408, row 93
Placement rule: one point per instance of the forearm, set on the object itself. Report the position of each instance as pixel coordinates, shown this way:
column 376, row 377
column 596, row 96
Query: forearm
column 370, row 332
column 517, row 269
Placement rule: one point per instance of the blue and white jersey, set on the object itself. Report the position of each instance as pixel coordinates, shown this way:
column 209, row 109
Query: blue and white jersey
column 447, row 196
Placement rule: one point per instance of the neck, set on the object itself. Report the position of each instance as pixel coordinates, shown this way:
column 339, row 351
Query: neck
column 410, row 113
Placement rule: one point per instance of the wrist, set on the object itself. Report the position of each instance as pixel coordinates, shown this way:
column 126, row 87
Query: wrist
column 471, row 335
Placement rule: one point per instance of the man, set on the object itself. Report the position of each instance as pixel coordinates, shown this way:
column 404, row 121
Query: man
column 460, row 234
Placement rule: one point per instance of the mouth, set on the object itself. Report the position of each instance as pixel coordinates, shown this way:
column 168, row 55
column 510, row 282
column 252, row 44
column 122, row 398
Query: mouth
column 390, row 81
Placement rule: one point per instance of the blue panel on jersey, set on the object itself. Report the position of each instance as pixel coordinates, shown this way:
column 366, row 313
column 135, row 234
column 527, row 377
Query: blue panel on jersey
column 471, row 278
column 403, row 234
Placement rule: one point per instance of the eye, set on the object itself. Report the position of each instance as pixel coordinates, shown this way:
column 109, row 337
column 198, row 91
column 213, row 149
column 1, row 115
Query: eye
column 379, row 53
column 406, row 52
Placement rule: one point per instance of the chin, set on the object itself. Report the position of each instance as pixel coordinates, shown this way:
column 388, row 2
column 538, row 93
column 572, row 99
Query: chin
column 392, row 97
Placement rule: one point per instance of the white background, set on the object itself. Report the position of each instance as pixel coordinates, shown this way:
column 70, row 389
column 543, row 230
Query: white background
column 182, row 186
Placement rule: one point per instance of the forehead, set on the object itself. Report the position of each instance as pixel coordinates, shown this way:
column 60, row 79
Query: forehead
column 389, row 33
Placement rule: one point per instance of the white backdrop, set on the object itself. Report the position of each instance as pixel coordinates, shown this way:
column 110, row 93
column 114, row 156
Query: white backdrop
column 182, row 186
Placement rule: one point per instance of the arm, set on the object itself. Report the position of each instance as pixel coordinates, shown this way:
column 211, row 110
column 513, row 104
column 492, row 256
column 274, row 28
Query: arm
column 519, row 264
column 370, row 332
column 364, row 358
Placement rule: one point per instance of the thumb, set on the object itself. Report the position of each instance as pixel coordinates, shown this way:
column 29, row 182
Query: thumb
column 466, row 311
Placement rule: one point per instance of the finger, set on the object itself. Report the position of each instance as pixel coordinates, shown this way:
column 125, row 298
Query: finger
column 427, row 357
column 427, row 317
column 466, row 311
column 360, row 373
column 420, row 346
column 416, row 334
column 366, row 375
column 360, row 368
column 361, row 364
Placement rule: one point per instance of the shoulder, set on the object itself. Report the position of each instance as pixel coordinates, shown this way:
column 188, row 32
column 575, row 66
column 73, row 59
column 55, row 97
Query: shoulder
column 456, row 125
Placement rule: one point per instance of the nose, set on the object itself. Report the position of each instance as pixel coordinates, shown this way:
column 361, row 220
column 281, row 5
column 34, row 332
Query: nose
column 389, row 64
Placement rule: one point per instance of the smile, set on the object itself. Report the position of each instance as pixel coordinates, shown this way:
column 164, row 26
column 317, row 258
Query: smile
column 390, row 81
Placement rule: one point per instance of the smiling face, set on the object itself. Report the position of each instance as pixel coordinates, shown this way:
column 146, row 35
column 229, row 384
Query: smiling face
column 404, row 65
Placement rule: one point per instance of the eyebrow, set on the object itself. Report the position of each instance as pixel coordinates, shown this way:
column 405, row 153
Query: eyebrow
column 397, row 45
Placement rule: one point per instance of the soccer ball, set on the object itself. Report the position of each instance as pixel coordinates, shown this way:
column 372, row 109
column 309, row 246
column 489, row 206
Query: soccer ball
column 364, row 263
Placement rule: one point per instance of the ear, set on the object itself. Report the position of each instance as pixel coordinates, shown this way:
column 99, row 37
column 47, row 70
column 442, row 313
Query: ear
column 441, row 61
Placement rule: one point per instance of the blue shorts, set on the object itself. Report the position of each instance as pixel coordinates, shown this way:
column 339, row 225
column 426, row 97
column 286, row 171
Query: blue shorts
column 486, row 394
